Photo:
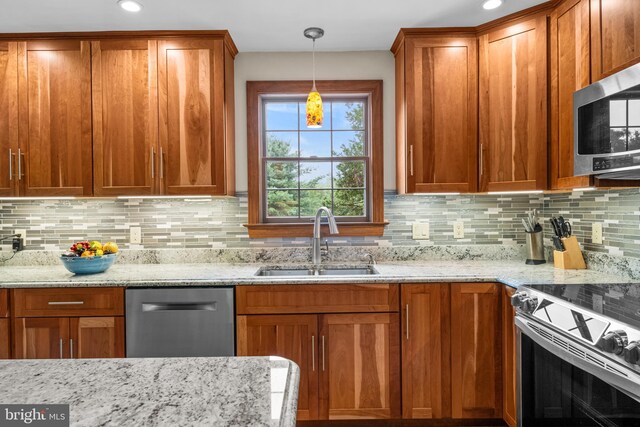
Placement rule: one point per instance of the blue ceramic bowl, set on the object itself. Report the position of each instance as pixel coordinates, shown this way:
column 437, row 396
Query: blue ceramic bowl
column 88, row 265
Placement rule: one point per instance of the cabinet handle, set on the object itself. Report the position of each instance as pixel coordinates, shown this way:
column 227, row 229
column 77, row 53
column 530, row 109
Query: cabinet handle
column 153, row 162
column 60, row 348
column 71, row 348
column 411, row 159
column 161, row 163
column 481, row 159
column 313, row 352
column 406, row 309
column 10, row 164
column 323, row 353
column 19, row 164
column 65, row 302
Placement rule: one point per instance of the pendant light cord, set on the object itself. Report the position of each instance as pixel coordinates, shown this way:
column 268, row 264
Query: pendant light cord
column 314, row 65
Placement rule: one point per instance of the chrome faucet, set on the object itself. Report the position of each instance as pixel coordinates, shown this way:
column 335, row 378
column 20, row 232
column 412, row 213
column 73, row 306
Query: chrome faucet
column 316, row 252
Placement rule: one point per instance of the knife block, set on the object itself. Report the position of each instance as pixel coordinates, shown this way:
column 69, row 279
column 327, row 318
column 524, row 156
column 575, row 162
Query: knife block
column 571, row 258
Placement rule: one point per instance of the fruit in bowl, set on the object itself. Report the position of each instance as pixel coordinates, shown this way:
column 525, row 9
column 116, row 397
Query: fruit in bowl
column 87, row 257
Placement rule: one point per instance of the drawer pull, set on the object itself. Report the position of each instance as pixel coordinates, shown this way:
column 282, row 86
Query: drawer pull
column 60, row 348
column 407, row 319
column 323, row 353
column 71, row 348
column 313, row 351
column 65, row 302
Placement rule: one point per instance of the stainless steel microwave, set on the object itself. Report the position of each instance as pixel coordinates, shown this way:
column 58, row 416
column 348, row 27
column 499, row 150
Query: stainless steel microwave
column 607, row 127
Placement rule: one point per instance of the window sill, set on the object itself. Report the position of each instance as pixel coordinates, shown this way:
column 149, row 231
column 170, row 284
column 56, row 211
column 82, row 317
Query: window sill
column 351, row 229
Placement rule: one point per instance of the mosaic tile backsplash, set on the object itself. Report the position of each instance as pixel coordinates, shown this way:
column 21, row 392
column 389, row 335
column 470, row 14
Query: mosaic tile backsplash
column 217, row 223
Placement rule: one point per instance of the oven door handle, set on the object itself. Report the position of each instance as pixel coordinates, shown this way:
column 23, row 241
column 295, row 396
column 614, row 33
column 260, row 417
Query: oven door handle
column 627, row 380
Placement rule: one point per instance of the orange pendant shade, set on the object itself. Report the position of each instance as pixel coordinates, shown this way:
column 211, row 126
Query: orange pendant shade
column 315, row 115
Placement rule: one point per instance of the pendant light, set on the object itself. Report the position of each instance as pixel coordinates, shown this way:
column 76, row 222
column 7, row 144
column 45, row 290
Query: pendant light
column 315, row 114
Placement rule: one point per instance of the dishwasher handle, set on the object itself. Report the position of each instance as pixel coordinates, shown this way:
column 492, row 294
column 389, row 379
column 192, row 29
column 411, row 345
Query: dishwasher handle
column 182, row 306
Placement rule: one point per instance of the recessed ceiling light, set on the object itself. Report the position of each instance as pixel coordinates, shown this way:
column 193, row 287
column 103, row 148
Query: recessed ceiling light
column 491, row 4
column 130, row 5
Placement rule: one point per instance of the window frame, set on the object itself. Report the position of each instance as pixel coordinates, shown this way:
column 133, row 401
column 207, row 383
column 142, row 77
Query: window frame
column 257, row 92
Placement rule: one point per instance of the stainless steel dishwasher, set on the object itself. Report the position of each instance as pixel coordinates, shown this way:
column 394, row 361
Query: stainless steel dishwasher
column 180, row 322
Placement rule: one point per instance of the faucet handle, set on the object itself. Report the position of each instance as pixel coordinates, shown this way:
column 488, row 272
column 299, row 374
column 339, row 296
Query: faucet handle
column 326, row 247
column 371, row 259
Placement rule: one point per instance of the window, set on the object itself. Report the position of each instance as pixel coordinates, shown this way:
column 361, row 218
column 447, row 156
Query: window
column 293, row 170
column 624, row 125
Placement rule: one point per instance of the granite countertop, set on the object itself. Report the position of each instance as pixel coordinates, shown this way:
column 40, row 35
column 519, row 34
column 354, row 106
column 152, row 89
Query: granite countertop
column 220, row 391
column 512, row 273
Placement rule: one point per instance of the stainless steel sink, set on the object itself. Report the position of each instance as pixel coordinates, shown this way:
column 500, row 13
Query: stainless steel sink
column 323, row 271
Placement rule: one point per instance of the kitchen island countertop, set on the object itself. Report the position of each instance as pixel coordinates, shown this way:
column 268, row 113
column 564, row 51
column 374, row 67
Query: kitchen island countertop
column 512, row 273
column 219, row 391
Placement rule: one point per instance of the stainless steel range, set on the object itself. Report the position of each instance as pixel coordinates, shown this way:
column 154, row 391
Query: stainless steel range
column 578, row 355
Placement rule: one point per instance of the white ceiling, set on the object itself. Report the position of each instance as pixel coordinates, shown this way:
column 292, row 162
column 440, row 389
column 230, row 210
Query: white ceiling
column 258, row 25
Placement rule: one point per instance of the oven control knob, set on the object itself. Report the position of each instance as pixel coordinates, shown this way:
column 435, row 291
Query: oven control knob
column 529, row 304
column 517, row 298
column 631, row 353
column 614, row 342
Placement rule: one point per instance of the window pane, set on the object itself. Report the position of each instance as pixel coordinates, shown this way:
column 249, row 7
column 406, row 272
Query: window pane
column 282, row 144
column 634, row 138
column 282, row 203
column 348, row 202
column 315, row 175
column 348, row 143
column 618, row 113
column 634, row 112
column 348, row 115
column 311, row 200
column 281, row 115
column 349, row 174
column 315, row 144
column 282, row 175
column 326, row 109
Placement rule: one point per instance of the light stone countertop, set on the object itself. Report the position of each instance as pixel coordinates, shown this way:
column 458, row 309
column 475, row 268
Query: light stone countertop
column 218, row 391
column 512, row 273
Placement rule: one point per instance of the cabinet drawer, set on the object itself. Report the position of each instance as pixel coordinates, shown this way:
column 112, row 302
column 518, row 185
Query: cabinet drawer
column 68, row 302
column 4, row 303
column 285, row 299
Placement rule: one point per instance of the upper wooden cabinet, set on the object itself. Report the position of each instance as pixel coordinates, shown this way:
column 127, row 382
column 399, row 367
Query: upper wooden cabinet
column 513, row 107
column 570, row 71
column 195, row 77
column 54, row 127
column 615, row 36
column 125, row 117
column 436, row 113
column 8, row 116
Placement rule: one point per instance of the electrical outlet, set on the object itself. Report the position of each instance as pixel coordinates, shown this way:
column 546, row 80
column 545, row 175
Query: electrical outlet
column 22, row 232
column 596, row 233
column 458, row 230
column 135, row 235
column 420, row 230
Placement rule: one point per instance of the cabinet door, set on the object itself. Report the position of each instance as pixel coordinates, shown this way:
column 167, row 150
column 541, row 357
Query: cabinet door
column 513, row 107
column 476, row 377
column 294, row 337
column 360, row 366
column 125, row 117
column 96, row 337
column 192, row 133
column 570, row 71
column 41, row 338
column 55, row 118
column 8, row 117
column 425, row 351
column 615, row 36
column 5, row 342
column 441, row 108
column 509, row 395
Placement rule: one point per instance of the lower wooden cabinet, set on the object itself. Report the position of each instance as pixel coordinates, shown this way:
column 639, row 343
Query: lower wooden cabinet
column 509, row 394
column 5, row 339
column 349, row 361
column 476, row 378
column 360, row 366
column 426, row 366
column 294, row 337
column 64, row 337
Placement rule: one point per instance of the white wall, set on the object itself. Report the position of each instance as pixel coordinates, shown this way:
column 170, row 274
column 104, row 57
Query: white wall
column 372, row 65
